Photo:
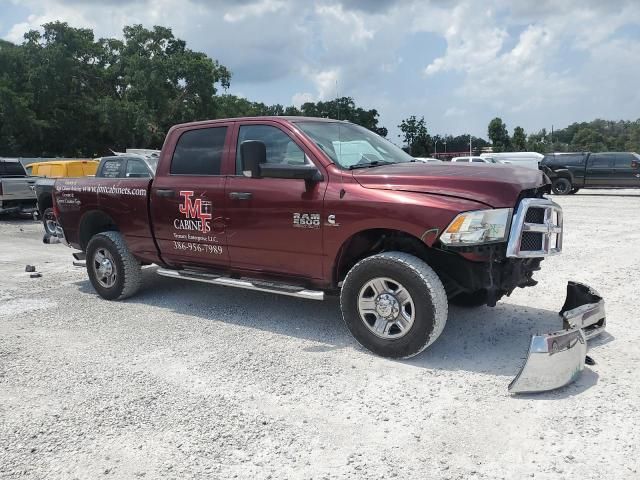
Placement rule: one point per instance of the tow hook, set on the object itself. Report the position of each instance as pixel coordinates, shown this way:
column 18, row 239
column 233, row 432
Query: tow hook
column 557, row 359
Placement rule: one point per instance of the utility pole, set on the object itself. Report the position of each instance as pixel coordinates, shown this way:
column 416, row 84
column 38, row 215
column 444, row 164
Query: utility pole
column 435, row 147
column 445, row 147
column 470, row 150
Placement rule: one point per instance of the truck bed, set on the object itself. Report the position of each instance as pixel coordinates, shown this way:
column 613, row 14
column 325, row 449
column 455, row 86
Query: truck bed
column 123, row 201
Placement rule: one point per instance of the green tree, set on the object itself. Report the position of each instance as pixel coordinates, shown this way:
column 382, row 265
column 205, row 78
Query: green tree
column 415, row 136
column 519, row 139
column 498, row 134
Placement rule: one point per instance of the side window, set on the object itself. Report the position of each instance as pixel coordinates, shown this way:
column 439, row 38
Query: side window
column 136, row 168
column 600, row 160
column 280, row 147
column 199, row 152
column 111, row 168
column 477, row 160
column 623, row 160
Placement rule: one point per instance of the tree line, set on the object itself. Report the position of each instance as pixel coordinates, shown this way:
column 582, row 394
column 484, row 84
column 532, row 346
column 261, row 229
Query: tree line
column 64, row 93
column 595, row 136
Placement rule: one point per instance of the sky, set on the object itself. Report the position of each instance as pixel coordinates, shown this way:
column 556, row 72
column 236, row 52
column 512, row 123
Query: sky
column 458, row 63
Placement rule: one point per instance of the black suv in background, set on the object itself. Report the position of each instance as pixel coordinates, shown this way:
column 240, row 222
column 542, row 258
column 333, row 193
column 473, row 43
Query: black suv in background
column 569, row 172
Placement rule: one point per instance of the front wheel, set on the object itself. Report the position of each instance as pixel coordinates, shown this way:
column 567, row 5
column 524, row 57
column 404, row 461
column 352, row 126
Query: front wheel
column 394, row 304
column 561, row 186
column 114, row 272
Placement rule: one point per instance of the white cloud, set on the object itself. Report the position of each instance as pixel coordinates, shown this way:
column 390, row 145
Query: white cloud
column 241, row 12
column 302, row 97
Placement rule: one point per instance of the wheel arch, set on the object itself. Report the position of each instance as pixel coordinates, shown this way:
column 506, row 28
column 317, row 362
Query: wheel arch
column 92, row 223
column 371, row 241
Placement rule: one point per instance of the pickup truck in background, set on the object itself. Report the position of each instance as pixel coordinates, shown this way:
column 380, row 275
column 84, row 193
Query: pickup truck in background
column 569, row 172
column 310, row 207
column 16, row 192
column 120, row 166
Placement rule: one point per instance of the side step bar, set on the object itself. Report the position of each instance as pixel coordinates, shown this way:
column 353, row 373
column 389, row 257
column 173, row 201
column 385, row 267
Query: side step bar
column 261, row 286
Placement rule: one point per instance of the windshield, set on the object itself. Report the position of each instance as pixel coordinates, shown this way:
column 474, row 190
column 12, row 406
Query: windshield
column 349, row 145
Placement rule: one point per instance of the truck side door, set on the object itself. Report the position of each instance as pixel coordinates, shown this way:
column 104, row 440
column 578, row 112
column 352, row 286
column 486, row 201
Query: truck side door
column 624, row 175
column 275, row 224
column 188, row 199
column 599, row 170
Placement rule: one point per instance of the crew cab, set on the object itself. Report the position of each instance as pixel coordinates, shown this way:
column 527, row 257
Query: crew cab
column 569, row 172
column 16, row 192
column 312, row 207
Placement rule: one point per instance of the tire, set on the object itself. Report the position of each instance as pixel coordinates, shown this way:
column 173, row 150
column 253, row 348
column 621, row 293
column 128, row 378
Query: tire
column 561, row 186
column 49, row 221
column 121, row 276
column 373, row 283
column 574, row 191
column 470, row 299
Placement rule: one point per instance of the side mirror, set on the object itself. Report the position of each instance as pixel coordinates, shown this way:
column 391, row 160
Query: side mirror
column 306, row 172
column 635, row 164
column 253, row 153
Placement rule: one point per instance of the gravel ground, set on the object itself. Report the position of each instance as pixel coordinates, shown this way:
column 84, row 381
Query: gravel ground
column 194, row 381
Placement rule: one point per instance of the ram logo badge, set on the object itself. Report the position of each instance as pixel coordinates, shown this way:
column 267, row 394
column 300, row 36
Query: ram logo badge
column 306, row 220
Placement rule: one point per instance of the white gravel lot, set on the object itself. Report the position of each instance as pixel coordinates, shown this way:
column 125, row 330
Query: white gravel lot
column 193, row 381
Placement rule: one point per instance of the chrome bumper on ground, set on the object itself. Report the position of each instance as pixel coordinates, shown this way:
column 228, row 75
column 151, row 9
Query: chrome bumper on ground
column 557, row 359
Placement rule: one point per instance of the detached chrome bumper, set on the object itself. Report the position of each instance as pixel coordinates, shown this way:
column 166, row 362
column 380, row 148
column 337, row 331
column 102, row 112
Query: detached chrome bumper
column 557, row 359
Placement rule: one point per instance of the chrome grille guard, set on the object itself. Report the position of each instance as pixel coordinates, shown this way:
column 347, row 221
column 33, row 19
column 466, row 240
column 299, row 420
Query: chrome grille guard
column 548, row 233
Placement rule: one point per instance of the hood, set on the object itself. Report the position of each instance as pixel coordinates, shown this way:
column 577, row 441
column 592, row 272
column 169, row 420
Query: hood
column 495, row 185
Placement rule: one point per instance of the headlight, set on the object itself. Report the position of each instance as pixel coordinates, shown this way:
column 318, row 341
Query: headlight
column 478, row 227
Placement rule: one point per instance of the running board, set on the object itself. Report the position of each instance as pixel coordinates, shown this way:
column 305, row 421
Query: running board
column 258, row 285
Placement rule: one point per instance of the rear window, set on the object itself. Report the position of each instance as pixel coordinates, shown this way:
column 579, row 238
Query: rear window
column 12, row 169
column 111, row 168
column 199, row 152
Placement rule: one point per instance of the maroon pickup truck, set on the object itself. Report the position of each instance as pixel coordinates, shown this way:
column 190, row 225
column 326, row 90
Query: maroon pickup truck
column 310, row 207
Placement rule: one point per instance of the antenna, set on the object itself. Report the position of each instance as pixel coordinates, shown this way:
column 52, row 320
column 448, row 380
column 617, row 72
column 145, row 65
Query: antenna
column 337, row 101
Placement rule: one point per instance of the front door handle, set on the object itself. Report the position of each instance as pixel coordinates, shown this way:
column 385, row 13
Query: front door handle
column 240, row 195
column 165, row 192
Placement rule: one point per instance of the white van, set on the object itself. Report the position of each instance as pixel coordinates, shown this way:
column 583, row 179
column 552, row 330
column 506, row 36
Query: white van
column 521, row 159
column 472, row 159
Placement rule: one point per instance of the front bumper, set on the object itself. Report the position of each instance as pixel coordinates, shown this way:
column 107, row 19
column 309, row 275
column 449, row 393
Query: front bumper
column 557, row 359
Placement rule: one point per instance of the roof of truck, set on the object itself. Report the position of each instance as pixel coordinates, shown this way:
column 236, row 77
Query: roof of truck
column 285, row 118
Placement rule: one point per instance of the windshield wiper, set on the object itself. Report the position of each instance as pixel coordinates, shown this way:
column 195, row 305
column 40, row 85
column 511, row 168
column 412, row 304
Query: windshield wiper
column 373, row 163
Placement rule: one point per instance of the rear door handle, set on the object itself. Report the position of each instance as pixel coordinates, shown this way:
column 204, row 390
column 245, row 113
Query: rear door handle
column 240, row 195
column 165, row 192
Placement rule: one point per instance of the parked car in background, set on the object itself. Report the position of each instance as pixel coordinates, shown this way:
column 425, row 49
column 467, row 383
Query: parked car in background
column 16, row 192
column 63, row 168
column 428, row 160
column 473, row 159
column 569, row 172
column 127, row 166
column 521, row 159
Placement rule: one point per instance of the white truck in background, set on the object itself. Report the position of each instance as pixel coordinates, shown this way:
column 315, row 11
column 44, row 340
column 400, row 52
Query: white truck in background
column 522, row 159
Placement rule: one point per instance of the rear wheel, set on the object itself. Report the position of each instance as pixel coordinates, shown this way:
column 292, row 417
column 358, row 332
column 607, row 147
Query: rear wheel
column 574, row 191
column 561, row 186
column 114, row 272
column 394, row 304
column 49, row 221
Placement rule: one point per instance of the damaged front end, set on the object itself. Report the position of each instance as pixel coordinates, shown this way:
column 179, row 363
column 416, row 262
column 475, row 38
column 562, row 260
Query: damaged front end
column 557, row 359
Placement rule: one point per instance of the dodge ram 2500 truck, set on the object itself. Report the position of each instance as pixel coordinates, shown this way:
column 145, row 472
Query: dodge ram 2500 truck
column 310, row 207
